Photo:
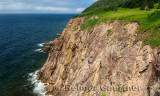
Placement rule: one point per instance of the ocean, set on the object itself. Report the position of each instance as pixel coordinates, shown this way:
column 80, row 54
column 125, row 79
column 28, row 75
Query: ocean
column 21, row 39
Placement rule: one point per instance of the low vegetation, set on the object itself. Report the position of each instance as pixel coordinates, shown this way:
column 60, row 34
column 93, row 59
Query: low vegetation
column 75, row 29
column 145, row 18
column 155, row 16
column 110, row 32
column 120, row 88
column 100, row 3
column 152, row 38
column 142, row 4
column 158, row 7
column 89, row 24
column 103, row 94
column 146, row 12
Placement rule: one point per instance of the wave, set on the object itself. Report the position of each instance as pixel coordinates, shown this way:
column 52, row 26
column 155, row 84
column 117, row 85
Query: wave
column 40, row 44
column 38, row 50
column 38, row 85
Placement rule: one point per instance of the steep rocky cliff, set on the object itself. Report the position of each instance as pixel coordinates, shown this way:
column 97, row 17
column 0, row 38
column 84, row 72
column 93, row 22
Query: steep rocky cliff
column 109, row 59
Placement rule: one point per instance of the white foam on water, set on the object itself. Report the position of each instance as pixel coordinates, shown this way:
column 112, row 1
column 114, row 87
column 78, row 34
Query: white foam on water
column 40, row 44
column 38, row 50
column 38, row 85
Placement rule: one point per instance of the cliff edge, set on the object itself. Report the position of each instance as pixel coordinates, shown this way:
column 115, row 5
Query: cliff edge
column 108, row 59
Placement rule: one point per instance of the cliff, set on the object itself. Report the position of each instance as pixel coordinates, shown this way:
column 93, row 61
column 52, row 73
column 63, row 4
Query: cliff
column 108, row 59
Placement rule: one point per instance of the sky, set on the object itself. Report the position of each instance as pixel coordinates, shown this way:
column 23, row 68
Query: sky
column 44, row 6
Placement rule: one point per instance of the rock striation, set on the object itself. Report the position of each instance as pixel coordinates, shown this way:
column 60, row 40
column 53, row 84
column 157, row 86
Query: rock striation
column 109, row 59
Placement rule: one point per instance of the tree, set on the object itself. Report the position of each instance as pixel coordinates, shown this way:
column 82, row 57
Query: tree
column 156, row 1
column 131, row 3
column 158, row 5
column 151, row 4
column 144, row 5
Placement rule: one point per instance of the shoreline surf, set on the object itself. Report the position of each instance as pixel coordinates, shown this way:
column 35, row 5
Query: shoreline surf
column 38, row 85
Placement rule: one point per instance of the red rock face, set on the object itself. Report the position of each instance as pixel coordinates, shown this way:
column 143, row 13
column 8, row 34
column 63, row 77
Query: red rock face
column 105, row 60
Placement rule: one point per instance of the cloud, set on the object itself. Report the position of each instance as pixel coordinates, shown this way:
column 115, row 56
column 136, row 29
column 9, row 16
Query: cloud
column 15, row 6
column 25, row 7
column 80, row 9
column 66, row 6
column 48, row 8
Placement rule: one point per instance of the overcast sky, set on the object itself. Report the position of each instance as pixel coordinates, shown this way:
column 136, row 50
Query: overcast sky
column 44, row 6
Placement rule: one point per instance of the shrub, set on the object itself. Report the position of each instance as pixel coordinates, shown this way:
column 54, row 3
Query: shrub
column 144, row 5
column 152, row 38
column 106, row 8
column 98, row 10
column 131, row 3
column 147, row 4
column 151, row 4
column 158, row 5
column 138, row 3
column 89, row 24
column 154, row 16
column 100, row 3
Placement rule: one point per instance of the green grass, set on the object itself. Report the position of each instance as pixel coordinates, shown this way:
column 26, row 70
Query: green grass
column 153, row 38
column 127, row 14
column 147, row 20
column 100, row 3
column 103, row 94
column 154, row 16
column 110, row 32
column 132, row 15
column 75, row 29
column 120, row 88
column 89, row 24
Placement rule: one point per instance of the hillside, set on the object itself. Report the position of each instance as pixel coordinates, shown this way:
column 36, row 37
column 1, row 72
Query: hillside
column 120, row 3
column 149, row 20
column 100, row 3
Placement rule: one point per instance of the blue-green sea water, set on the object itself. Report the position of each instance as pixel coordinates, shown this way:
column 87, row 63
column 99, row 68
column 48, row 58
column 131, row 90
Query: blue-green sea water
column 21, row 36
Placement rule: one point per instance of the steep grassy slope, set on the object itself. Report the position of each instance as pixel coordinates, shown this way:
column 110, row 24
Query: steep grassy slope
column 100, row 3
column 121, row 3
column 149, row 21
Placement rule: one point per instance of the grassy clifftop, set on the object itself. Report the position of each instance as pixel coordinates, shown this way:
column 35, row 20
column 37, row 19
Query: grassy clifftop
column 148, row 18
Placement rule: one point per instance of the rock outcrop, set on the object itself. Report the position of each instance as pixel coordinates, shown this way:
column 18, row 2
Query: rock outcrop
column 106, row 60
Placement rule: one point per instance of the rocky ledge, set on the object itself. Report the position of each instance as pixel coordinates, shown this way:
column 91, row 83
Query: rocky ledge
column 109, row 59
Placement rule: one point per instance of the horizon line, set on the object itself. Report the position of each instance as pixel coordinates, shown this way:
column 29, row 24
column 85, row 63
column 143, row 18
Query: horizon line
column 37, row 13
